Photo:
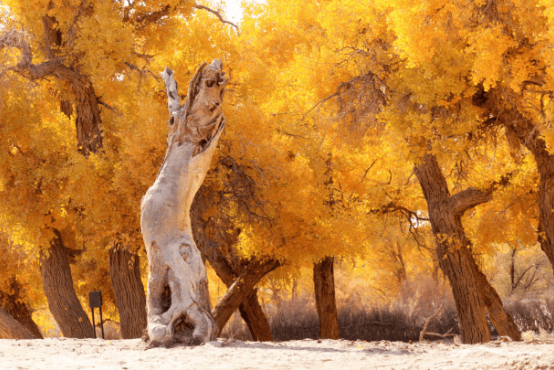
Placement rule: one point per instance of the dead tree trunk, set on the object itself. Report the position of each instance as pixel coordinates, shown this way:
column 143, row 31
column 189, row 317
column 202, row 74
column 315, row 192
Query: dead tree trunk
column 129, row 292
column 472, row 292
column 173, row 258
column 14, row 303
column 10, row 328
column 324, row 286
column 60, row 293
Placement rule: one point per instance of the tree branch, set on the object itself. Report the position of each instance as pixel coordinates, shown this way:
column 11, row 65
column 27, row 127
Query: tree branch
column 218, row 15
column 471, row 197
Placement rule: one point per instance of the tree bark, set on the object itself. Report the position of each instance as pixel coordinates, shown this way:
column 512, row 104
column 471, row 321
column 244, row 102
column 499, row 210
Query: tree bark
column 174, row 262
column 10, row 328
column 241, row 289
column 324, row 286
column 250, row 309
column 13, row 302
column 60, row 293
column 472, row 292
column 130, row 298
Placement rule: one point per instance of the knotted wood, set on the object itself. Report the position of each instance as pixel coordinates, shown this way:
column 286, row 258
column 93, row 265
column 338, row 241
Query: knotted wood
column 174, row 262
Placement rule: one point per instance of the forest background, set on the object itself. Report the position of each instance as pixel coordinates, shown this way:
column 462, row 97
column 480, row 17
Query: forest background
column 384, row 146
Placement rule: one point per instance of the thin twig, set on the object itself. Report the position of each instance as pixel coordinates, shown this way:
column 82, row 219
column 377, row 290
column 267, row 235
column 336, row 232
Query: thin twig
column 218, row 15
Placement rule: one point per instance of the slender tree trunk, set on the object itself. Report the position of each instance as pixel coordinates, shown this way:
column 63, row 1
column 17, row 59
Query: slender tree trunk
column 60, row 293
column 241, row 289
column 14, row 304
column 10, row 328
column 255, row 318
column 129, row 292
column 324, row 286
column 472, row 292
column 174, row 262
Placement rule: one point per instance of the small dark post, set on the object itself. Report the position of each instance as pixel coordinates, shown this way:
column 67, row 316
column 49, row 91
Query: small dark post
column 95, row 299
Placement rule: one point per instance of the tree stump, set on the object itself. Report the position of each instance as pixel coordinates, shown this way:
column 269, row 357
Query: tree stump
column 177, row 291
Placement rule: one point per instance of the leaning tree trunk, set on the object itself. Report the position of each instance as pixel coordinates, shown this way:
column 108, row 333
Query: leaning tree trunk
column 10, row 328
column 324, row 286
column 174, row 261
column 14, row 304
column 129, row 292
column 250, row 309
column 472, row 292
column 241, row 289
column 60, row 294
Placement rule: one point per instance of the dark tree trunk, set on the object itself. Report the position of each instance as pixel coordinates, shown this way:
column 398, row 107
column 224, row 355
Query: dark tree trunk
column 130, row 298
column 241, row 289
column 324, row 286
column 14, row 304
column 58, row 288
column 472, row 292
column 250, row 310
column 10, row 328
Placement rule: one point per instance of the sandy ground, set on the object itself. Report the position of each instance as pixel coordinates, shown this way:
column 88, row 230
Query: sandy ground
column 64, row 353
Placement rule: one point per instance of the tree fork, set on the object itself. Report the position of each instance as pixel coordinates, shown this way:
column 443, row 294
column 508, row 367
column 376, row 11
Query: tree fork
column 472, row 292
column 174, row 262
column 324, row 287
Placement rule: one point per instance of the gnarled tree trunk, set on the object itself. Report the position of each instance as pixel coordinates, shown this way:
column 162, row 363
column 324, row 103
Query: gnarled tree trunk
column 174, row 262
column 60, row 293
column 324, row 286
column 10, row 328
column 14, row 304
column 472, row 292
column 129, row 292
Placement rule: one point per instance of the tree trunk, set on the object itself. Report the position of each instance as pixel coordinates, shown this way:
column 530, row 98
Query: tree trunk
column 129, row 292
column 241, row 289
column 60, row 294
column 10, row 328
column 472, row 292
column 324, row 286
column 14, row 304
column 174, row 262
column 250, row 310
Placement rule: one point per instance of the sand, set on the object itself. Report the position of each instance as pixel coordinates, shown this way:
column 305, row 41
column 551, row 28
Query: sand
column 66, row 353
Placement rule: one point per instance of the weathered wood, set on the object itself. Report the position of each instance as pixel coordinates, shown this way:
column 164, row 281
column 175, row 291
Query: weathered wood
column 472, row 292
column 130, row 298
column 324, row 287
column 174, row 261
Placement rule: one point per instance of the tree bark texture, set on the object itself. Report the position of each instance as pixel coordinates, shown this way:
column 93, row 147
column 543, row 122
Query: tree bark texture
column 174, row 261
column 241, row 289
column 472, row 292
column 10, row 328
column 250, row 309
column 60, row 293
column 12, row 300
column 130, row 298
column 324, row 286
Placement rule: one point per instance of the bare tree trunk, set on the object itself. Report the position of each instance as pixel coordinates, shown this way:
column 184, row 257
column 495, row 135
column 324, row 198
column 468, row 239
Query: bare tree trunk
column 241, row 289
column 14, row 304
column 129, row 292
column 60, row 293
column 255, row 318
column 174, row 261
column 472, row 292
column 324, row 286
column 10, row 328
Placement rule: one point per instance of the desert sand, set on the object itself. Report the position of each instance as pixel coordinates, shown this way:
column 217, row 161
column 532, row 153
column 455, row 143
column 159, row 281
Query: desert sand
column 63, row 353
